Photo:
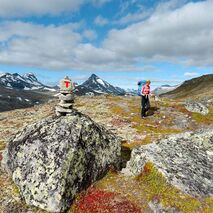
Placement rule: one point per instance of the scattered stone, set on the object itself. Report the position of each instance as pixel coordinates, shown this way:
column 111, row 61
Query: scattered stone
column 185, row 159
column 55, row 158
column 197, row 107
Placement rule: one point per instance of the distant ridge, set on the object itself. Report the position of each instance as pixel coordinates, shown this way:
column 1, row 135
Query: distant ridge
column 195, row 88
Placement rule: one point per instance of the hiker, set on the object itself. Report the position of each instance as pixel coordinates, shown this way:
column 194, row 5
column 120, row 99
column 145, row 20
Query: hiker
column 145, row 93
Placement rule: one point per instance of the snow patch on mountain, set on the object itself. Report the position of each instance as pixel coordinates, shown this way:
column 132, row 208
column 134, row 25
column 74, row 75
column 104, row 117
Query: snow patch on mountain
column 163, row 89
column 27, row 81
column 99, row 86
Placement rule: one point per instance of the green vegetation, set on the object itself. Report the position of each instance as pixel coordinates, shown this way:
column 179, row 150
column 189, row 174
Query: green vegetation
column 134, row 144
column 152, row 185
column 150, row 126
column 156, row 187
column 203, row 118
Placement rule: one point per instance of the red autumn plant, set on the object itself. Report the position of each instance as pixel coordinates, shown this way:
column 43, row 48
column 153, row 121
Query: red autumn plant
column 98, row 201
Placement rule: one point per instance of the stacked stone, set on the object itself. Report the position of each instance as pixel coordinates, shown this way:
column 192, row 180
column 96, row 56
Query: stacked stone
column 66, row 97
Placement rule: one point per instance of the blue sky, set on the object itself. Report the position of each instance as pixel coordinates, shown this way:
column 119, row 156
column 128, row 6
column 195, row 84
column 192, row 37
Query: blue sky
column 122, row 41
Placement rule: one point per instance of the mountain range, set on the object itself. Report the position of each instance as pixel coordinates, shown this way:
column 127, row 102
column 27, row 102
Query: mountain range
column 18, row 91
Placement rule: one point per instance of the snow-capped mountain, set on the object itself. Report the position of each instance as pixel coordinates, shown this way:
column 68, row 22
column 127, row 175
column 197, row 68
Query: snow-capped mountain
column 163, row 89
column 99, row 86
column 23, row 82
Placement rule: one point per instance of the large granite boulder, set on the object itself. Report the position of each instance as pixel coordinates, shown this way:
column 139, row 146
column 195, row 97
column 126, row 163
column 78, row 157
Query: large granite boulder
column 186, row 160
column 52, row 160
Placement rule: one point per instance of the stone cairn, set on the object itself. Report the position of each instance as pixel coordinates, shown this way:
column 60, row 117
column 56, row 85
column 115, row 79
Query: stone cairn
column 66, row 97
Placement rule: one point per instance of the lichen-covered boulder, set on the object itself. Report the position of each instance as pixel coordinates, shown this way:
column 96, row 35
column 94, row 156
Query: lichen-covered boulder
column 52, row 160
column 186, row 160
column 197, row 107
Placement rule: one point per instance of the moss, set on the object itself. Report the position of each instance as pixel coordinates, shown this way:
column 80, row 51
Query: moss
column 134, row 144
column 156, row 186
column 119, row 111
column 15, row 190
column 203, row 118
column 2, row 145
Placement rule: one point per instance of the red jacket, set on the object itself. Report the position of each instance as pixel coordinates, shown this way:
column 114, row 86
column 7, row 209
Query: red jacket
column 145, row 90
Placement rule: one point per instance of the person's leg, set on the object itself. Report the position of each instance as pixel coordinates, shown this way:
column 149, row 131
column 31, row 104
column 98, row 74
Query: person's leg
column 143, row 110
column 147, row 107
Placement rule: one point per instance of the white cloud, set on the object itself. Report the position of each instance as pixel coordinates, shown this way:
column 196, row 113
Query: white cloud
column 57, row 48
column 191, row 74
column 100, row 21
column 183, row 35
column 22, row 8
column 90, row 34
column 144, row 12
column 133, row 17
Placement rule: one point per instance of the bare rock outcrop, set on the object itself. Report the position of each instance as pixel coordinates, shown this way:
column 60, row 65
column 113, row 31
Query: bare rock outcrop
column 197, row 107
column 186, row 160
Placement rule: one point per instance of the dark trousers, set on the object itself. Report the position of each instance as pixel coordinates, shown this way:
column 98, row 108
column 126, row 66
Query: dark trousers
column 145, row 105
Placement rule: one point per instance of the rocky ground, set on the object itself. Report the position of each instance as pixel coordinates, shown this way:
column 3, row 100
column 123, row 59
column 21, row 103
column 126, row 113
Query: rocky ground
column 148, row 192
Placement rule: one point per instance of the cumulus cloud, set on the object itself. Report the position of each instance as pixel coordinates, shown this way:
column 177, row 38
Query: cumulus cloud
column 56, row 48
column 100, row 21
column 191, row 74
column 183, row 35
column 22, row 8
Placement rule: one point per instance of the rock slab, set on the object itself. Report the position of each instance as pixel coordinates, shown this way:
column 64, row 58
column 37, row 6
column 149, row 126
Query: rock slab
column 52, row 160
column 186, row 160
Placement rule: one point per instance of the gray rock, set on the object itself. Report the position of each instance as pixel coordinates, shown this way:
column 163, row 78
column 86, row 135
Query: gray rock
column 197, row 107
column 52, row 160
column 67, row 97
column 159, row 208
column 64, row 92
column 181, row 122
column 186, row 160
column 63, row 110
column 66, row 105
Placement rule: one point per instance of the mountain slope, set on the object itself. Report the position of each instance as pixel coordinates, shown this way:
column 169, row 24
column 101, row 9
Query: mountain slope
column 14, row 99
column 23, row 82
column 194, row 88
column 100, row 86
column 82, row 90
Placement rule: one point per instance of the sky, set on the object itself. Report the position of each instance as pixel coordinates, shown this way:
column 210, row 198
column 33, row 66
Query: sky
column 121, row 41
